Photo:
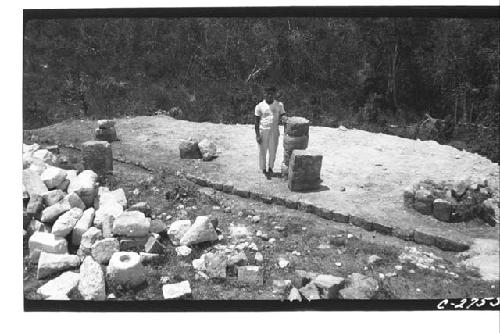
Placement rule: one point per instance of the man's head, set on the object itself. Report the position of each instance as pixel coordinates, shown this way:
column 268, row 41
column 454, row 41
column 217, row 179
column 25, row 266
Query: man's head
column 269, row 94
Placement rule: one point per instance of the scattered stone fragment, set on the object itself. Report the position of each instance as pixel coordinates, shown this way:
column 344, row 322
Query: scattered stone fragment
column 238, row 259
column 104, row 196
column 33, row 183
column 66, row 222
column 208, row 149
column 52, row 197
column 253, row 247
column 239, row 232
column 103, row 249
column 199, row 264
column 202, row 230
column 153, row 245
column 107, row 213
column 294, row 295
column 60, row 286
column 53, row 176
column 251, row 275
column 359, row 286
column 85, row 186
column 215, row 265
column 125, row 269
column 91, row 284
column 158, row 226
column 310, row 292
column 88, row 239
column 131, row 224
column 329, row 285
column 37, row 226
column 259, row 257
column 44, row 155
column 281, row 287
column 82, row 225
column 45, row 242
column 176, row 290
column 282, row 263
column 142, row 207
column 183, row 250
column 391, row 274
column 256, row 219
column 149, row 257
column 177, row 230
column 52, row 263
column 164, row 279
column 398, row 267
column 373, row 259
column 35, row 206
column 338, row 264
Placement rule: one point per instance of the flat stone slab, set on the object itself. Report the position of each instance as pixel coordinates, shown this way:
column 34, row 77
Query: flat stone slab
column 372, row 168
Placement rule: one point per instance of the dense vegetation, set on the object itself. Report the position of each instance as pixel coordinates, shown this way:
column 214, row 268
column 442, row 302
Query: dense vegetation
column 331, row 70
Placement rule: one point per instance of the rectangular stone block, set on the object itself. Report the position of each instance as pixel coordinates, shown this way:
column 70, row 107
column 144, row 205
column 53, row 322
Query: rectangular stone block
column 292, row 204
column 340, row 217
column 98, row 157
column 305, row 206
column 424, row 238
column 227, row 188
column 360, row 222
column 106, row 134
column 241, row 193
column 304, row 170
column 441, row 209
column 382, row 228
column 404, row 234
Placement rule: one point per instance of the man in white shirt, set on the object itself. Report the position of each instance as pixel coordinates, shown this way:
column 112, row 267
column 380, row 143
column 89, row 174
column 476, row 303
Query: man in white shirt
column 267, row 118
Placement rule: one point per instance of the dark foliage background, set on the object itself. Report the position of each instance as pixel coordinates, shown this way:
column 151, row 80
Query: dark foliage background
column 364, row 72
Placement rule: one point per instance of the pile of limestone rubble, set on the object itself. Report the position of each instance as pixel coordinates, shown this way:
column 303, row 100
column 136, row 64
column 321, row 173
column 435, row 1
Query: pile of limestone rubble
column 84, row 237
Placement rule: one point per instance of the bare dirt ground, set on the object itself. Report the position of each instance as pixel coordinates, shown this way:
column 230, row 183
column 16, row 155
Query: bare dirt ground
column 373, row 169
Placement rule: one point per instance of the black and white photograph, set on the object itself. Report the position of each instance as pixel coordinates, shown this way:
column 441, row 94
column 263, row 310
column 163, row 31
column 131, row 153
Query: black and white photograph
column 260, row 159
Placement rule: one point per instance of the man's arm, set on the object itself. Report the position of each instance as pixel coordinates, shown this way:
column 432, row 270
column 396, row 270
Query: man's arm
column 257, row 131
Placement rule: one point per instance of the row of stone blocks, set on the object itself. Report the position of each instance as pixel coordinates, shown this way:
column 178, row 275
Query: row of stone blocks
column 416, row 235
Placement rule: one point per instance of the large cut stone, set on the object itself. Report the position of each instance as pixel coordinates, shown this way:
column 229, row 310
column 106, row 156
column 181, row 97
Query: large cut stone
column 89, row 237
column 92, row 285
column 310, row 292
column 66, row 222
column 35, row 206
column 125, row 269
column 359, row 287
column 45, row 155
column 177, row 230
column 441, row 209
column 103, row 249
column 53, row 176
column 176, row 290
column 107, row 212
column 52, row 263
column 131, row 224
column 33, row 183
column 304, row 170
column 106, row 196
column 188, row 149
column 52, row 197
column 85, row 186
column 98, row 157
column 291, row 143
column 202, row 230
column 37, row 166
column 46, row 242
column 208, row 149
column 106, row 134
column 37, row 226
column 61, row 286
column 105, row 123
column 297, row 126
column 82, row 225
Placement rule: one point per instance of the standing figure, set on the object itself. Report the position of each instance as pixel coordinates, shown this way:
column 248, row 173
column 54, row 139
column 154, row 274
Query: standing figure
column 268, row 114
